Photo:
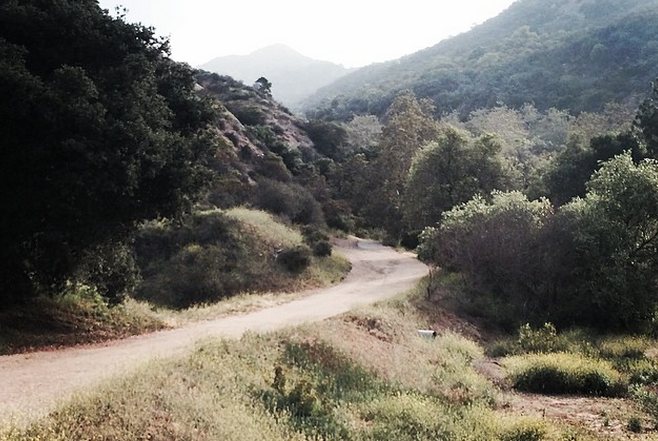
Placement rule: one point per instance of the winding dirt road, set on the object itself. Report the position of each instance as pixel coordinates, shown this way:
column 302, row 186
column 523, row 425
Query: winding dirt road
column 32, row 384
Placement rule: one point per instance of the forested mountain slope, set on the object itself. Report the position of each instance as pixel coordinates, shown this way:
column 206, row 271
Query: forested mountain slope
column 573, row 54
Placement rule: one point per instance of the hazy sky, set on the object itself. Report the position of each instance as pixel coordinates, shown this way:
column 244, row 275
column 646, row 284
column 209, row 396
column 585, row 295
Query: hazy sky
column 349, row 32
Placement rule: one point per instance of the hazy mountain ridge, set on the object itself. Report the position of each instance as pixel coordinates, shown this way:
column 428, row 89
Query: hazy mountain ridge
column 293, row 75
column 576, row 54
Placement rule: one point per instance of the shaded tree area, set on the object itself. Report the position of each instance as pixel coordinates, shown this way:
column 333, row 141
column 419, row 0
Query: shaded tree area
column 591, row 262
column 101, row 130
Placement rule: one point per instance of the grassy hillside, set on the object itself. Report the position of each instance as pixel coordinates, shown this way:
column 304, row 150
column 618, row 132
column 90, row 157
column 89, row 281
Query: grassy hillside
column 189, row 272
column 363, row 376
column 568, row 54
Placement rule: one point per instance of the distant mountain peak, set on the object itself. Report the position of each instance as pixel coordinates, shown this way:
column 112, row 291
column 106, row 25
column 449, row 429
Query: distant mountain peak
column 293, row 75
column 277, row 48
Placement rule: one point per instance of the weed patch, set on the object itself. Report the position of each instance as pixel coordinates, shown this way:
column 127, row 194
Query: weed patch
column 565, row 373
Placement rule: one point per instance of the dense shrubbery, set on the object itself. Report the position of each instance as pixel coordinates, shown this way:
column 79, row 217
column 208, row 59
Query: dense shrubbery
column 591, row 262
column 212, row 255
column 290, row 200
column 565, row 373
column 295, row 259
column 204, row 259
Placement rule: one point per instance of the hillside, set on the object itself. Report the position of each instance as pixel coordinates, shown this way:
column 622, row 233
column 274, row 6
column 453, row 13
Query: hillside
column 293, row 75
column 570, row 54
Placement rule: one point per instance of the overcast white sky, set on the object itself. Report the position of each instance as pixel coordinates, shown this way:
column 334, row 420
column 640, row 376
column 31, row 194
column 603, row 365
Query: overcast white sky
column 349, row 32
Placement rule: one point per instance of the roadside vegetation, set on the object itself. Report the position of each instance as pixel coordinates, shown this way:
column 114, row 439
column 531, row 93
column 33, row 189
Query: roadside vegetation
column 219, row 262
column 365, row 375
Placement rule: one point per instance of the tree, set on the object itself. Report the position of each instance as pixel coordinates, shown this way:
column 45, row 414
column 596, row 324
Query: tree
column 613, row 235
column 495, row 245
column 408, row 126
column 100, row 131
column 328, row 138
column 647, row 121
column 592, row 262
column 448, row 172
column 568, row 173
column 264, row 86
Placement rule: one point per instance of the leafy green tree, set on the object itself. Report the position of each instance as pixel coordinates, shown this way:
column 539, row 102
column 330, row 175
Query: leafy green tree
column 448, row 172
column 614, row 245
column 264, row 86
column 408, row 126
column 495, row 245
column 100, row 131
column 328, row 138
column 568, row 173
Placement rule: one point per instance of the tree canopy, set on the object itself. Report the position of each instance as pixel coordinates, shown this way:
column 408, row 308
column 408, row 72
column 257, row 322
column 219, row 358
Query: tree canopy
column 101, row 129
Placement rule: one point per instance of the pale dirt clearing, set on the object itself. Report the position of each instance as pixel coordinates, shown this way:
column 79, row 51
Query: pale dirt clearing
column 32, row 384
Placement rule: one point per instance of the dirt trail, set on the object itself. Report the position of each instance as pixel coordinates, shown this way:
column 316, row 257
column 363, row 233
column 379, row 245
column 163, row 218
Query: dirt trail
column 32, row 384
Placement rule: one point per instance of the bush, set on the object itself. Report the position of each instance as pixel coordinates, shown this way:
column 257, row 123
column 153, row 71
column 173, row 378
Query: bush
column 204, row 259
column 624, row 347
column 648, row 400
column 212, row 255
column 313, row 235
column 322, row 249
column 564, row 373
column 295, row 259
column 525, row 430
column 290, row 200
column 592, row 263
column 543, row 339
column 248, row 116
column 634, row 425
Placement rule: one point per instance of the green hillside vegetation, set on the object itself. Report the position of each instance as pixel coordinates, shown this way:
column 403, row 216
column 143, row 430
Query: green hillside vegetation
column 215, row 254
column 519, row 160
column 215, row 262
column 556, row 209
column 576, row 55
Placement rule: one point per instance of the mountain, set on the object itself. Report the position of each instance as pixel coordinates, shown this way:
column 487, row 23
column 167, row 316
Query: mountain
column 570, row 54
column 293, row 75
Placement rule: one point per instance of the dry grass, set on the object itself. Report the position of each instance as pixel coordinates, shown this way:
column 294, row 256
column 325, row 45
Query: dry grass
column 363, row 376
column 266, row 226
column 71, row 319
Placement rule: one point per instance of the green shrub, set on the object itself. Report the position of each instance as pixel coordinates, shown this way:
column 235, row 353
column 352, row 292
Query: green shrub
column 564, row 373
column 312, row 234
column 503, row 347
column 640, row 371
column 634, row 425
column 583, row 263
column 209, row 256
column 322, row 249
column 295, row 259
column 624, row 347
column 544, row 339
column 273, row 167
column 525, row 430
column 249, row 116
column 290, row 200
column 648, row 400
